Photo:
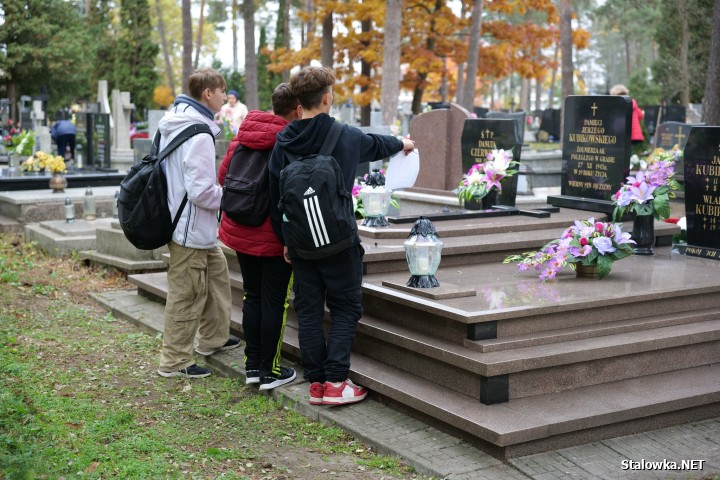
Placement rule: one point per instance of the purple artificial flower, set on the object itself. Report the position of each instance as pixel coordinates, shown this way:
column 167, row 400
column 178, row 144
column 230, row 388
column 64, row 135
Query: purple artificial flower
column 580, row 251
column 622, row 237
column 548, row 274
column 642, row 193
column 523, row 267
column 604, row 245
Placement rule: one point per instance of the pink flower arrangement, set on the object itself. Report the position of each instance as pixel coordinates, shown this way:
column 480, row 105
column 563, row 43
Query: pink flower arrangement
column 483, row 177
column 649, row 191
column 586, row 242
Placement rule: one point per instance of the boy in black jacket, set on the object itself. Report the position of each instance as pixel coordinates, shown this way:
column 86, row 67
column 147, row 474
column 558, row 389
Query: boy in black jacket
column 335, row 279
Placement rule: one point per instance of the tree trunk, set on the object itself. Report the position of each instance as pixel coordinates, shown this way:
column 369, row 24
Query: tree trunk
column 628, row 60
column 165, row 50
column 327, row 48
column 566, row 48
column 391, row 61
column 12, row 96
column 309, row 25
column 711, row 102
column 473, row 50
column 199, row 35
column 684, row 42
column 538, row 94
column 365, row 71
column 282, row 29
column 233, row 14
column 187, row 43
column 553, row 78
column 251, row 83
column 461, row 66
column 525, row 94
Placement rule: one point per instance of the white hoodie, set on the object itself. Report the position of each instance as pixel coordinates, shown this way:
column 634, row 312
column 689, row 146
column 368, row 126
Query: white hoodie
column 191, row 168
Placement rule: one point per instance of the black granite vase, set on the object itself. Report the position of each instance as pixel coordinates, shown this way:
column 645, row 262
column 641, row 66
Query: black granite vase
column 643, row 233
column 490, row 199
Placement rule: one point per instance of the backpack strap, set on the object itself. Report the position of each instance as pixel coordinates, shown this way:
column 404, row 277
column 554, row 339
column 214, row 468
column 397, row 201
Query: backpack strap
column 328, row 144
column 183, row 136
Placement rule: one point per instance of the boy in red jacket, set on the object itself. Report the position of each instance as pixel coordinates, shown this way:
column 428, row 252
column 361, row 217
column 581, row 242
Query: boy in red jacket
column 267, row 278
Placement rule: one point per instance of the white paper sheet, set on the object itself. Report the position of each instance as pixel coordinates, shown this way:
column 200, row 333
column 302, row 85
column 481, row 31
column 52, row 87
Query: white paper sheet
column 402, row 170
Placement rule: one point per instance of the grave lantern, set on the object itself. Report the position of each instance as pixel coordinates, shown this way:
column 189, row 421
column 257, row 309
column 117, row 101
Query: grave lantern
column 422, row 250
column 89, row 211
column 375, row 200
column 69, row 211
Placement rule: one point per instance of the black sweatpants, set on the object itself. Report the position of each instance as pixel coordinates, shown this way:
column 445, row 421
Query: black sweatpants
column 267, row 282
column 335, row 280
column 63, row 141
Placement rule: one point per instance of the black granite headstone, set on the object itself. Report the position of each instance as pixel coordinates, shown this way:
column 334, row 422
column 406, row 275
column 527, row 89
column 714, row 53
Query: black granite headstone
column 481, row 111
column 674, row 113
column 518, row 117
column 97, row 134
column 482, row 135
column 550, row 122
column 670, row 134
column 702, row 192
column 652, row 113
column 596, row 151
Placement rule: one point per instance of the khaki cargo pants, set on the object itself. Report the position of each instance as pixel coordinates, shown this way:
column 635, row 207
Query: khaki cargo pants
column 198, row 302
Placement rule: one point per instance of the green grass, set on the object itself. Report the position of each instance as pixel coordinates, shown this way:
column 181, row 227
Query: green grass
column 79, row 397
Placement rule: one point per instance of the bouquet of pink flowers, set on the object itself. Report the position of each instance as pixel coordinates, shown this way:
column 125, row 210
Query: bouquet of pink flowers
column 586, row 242
column 483, row 177
column 649, row 191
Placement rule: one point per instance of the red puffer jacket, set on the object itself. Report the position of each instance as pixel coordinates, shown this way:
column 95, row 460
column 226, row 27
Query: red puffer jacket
column 257, row 132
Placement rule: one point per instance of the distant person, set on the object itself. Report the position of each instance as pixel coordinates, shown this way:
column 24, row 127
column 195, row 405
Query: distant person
column 334, row 280
column 63, row 134
column 198, row 301
column 233, row 112
column 267, row 278
column 636, row 134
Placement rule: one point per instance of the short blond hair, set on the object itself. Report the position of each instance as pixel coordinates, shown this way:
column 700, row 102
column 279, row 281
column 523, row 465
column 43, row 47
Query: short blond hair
column 619, row 90
column 204, row 78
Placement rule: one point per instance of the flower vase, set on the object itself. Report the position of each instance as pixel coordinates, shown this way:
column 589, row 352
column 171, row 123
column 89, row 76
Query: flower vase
column 643, row 233
column 58, row 182
column 489, row 199
column 586, row 271
column 473, row 203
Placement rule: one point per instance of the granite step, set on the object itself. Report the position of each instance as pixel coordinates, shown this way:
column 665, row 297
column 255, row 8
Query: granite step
column 524, row 371
column 593, row 330
column 156, row 285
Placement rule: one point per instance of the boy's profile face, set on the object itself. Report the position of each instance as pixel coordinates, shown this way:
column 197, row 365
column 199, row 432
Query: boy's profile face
column 214, row 99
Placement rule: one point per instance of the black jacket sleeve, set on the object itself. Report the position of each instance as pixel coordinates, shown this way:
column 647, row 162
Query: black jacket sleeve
column 274, row 167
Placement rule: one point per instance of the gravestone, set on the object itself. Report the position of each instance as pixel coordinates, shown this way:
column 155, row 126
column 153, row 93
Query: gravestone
column 482, row 135
column 550, row 122
column 437, row 136
column 97, row 134
column 43, row 141
column 121, row 155
column 674, row 113
column 365, row 168
column 102, row 99
column 480, row 111
column 154, row 117
column 517, row 117
column 651, row 117
column 702, row 192
column 670, row 134
column 596, row 151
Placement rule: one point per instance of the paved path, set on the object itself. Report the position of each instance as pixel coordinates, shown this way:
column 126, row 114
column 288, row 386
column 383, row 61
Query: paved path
column 438, row 454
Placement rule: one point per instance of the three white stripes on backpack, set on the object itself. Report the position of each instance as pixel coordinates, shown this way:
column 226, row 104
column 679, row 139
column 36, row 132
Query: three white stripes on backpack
column 316, row 222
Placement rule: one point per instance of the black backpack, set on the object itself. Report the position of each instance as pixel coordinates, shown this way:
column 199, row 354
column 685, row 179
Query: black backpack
column 143, row 204
column 246, row 193
column 318, row 218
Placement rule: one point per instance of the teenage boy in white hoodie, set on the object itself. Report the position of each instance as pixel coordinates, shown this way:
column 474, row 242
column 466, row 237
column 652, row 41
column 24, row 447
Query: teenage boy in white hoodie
column 198, row 300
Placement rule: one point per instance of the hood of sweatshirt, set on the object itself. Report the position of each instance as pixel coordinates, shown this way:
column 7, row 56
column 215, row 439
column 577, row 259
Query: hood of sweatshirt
column 306, row 136
column 259, row 130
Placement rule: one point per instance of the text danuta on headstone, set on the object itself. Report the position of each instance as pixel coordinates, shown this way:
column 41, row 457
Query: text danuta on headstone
column 702, row 192
column 596, row 151
column 481, row 136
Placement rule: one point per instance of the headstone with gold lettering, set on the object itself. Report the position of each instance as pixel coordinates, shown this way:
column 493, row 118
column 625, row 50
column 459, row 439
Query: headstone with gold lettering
column 479, row 137
column 702, row 192
column 596, row 151
column 670, row 134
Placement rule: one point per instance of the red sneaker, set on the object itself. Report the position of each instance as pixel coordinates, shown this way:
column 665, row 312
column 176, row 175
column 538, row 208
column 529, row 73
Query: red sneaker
column 346, row 393
column 316, row 393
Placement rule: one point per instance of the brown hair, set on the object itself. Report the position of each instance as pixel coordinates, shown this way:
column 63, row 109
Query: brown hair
column 283, row 100
column 310, row 84
column 204, row 78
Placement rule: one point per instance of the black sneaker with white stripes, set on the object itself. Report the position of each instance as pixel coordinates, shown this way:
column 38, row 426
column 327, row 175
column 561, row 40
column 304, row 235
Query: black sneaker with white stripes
column 252, row 376
column 272, row 380
column 193, row 371
column 233, row 342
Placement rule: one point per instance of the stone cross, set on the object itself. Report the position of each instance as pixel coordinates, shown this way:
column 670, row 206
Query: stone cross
column 102, row 99
column 121, row 155
column 43, row 141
